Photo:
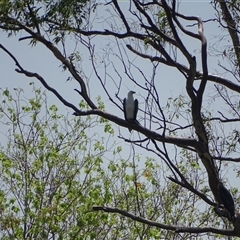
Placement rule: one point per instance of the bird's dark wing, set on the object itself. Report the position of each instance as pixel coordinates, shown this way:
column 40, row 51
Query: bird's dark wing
column 135, row 110
column 227, row 199
column 124, row 108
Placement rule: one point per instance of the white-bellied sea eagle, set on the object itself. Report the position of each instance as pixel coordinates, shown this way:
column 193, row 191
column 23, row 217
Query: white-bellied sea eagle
column 130, row 107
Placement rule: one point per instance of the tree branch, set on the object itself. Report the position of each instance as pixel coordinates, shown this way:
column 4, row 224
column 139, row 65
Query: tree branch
column 115, row 2
column 117, row 120
column 232, row 28
column 61, row 58
column 179, row 43
column 165, row 226
column 195, row 191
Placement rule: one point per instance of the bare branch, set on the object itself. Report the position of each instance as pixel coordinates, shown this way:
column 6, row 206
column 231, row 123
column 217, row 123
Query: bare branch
column 232, row 28
column 30, row 74
column 227, row 159
column 34, row 20
column 164, row 226
column 179, row 43
column 195, row 191
column 115, row 2
column 60, row 57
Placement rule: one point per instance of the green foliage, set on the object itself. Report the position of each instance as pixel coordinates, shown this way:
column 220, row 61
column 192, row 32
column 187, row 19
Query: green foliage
column 100, row 103
column 45, row 15
column 54, row 173
column 46, row 184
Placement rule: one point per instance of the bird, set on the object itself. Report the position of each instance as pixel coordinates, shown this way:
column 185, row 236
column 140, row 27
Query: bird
column 227, row 200
column 130, row 108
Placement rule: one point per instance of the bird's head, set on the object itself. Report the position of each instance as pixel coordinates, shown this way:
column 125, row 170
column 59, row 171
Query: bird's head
column 130, row 93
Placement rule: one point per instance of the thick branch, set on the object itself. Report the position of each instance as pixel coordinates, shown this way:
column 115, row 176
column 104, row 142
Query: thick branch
column 227, row 159
column 204, row 62
column 183, row 68
column 232, row 28
column 115, row 2
column 175, row 34
column 165, row 226
column 199, row 74
column 148, row 133
column 30, row 74
column 61, row 58
column 153, row 27
column 195, row 191
column 196, row 100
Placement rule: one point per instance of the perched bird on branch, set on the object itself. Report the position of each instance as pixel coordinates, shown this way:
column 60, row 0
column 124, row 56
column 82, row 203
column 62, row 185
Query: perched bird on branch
column 227, row 200
column 130, row 108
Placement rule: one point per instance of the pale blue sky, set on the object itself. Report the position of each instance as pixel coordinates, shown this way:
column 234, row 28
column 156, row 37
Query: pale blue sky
column 39, row 59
